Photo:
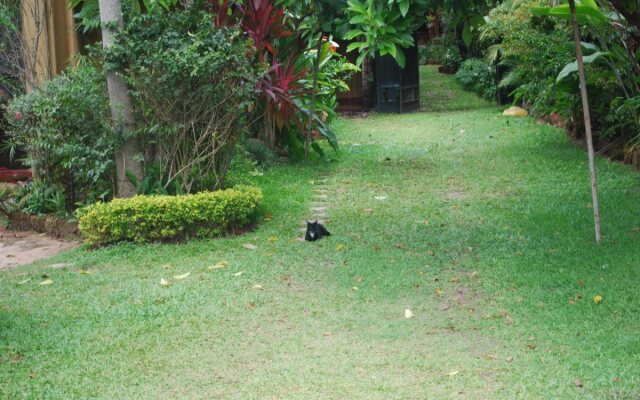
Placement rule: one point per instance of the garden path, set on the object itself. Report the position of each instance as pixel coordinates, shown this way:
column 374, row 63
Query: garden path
column 20, row 248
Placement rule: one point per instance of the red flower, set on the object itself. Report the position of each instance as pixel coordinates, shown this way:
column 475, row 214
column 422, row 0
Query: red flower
column 18, row 116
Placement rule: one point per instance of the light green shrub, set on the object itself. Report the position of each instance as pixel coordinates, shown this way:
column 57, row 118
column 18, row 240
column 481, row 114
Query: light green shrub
column 168, row 218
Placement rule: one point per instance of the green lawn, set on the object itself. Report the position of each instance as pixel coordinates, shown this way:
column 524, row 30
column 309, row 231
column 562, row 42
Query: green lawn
column 440, row 92
column 479, row 224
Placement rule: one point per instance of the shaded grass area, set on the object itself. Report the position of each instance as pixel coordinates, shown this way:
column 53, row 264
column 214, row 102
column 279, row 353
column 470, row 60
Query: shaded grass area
column 480, row 227
column 440, row 92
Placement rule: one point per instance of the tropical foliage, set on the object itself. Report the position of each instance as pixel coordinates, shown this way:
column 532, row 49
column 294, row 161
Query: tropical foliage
column 64, row 129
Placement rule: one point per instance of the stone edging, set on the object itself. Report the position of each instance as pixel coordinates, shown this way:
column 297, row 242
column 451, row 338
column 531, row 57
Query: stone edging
column 47, row 224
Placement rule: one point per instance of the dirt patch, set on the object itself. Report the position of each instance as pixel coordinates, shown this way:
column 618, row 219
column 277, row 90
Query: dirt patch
column 19, row 248
column 455, row 195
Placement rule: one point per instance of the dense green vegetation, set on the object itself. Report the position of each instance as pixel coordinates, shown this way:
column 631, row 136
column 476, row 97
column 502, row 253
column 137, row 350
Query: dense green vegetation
column 479, row 224
column 145, row 219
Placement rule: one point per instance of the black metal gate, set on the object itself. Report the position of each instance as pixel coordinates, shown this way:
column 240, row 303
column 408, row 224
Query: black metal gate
column 398, row 89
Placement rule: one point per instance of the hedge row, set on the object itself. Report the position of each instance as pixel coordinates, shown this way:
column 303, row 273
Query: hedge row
column 168, row 218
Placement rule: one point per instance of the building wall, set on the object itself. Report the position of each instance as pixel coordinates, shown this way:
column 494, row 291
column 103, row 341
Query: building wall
column 49, row 36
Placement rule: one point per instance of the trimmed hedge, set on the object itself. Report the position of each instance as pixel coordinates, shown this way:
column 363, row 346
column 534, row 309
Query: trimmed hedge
column 168, row 218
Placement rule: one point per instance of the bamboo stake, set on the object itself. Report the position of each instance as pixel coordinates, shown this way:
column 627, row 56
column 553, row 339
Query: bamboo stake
column 587, row 120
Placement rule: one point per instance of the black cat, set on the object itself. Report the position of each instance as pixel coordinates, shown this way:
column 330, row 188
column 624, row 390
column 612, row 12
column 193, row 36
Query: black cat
column 315, row 231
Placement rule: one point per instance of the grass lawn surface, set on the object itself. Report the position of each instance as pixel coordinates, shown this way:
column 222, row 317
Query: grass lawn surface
column 478, row 224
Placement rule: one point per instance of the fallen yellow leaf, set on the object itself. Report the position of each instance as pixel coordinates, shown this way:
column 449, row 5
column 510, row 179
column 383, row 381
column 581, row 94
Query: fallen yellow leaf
column 258, row 287
column 249, row 246
column 339, row 247
column 597, row 299
column 45, row 282
column 218, row 265
column 453, row 373
column 181, row 277
column 272, row 238
column 238, row 273
column 164, row 282
column 408, row 313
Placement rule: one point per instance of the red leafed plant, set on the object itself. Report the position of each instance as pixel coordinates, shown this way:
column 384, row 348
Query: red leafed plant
column 265, row 24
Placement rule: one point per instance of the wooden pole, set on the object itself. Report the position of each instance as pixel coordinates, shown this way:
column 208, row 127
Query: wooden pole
column 587, row 120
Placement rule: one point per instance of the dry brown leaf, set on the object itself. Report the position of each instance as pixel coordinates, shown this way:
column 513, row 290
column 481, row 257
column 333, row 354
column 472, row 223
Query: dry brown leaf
column 453, row 373
column 531, row 346
column 328, row 334
column 249, row 246
column 257, row 287
column 578, row 383
column 509, row 359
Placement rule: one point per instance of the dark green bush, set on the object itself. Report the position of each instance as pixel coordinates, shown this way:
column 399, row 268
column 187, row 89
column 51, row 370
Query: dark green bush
column 451, row 61
column 436, row 51
column 478, row 76
column 193, row 86
column 64, row 129
column 168, row 218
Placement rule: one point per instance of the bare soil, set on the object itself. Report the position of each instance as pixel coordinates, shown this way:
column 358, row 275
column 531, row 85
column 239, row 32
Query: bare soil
column 20, row 248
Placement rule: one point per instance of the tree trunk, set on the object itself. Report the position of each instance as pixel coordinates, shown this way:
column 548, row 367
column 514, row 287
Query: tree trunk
column 587, row 120
column 312, row 106
column 121, row 109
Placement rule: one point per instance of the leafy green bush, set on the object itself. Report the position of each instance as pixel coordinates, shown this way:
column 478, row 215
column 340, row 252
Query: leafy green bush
column 435, row 52
column 192, row 85
column 64, row 129
column 168, row 218
column 451, row 61
column 7, row 196
column 478, row 76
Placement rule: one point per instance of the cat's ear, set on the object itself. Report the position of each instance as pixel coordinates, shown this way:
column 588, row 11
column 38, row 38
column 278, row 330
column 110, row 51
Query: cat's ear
column 308, row 223
column 315, row 222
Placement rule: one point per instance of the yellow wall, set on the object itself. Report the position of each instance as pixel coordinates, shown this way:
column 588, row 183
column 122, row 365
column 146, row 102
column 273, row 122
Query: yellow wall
column 49, row 33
